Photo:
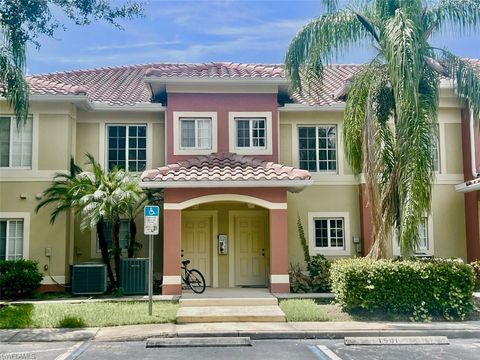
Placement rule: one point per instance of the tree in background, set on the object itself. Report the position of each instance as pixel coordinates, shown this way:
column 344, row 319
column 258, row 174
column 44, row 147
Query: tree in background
column 390, row 118
column 24, row 21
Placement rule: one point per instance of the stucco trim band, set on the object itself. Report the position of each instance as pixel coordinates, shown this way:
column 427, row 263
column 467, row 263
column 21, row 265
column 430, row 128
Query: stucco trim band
column 172, row 280
column 279, row 279
column 225, row 197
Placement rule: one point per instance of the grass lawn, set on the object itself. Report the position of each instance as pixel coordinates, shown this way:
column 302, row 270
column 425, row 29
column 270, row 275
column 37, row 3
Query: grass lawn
column 309, row 310
column 92, row 314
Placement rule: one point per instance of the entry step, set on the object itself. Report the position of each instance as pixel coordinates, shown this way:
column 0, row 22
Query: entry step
column 270, row 301
column 205, row 314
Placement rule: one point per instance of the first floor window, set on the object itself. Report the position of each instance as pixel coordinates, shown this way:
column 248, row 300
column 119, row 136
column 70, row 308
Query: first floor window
column 11, row 239
column 127, row 147
column 318, row 148
column 124, row 234
column 15, row 142
column 436, row 150
column 329, row 233
column 425, row 242
column 250, row 133
column 195, row 133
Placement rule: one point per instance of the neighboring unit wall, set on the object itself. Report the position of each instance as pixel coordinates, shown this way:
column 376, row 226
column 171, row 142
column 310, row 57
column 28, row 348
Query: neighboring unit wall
column 339, row 192
column 21, row 190
column 91, row 137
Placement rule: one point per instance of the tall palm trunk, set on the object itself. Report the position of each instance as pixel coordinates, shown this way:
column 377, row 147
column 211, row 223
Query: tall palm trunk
column 133, row 235
column 104, row 249
column 116, row 245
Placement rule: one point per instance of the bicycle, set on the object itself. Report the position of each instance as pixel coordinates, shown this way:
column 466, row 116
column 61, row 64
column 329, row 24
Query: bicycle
column 193, row 278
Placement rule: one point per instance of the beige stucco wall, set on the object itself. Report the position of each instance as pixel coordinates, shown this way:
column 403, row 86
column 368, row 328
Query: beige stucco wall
column 453, row 145
column 42, row 233
column 54, row 141
column 327, row 198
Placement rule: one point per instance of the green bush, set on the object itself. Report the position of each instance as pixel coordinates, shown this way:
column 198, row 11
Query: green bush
column 299, row 282
column 18, row 278
column 71, row 322
column 318, row 268
column 476, row 268
column 418, row 288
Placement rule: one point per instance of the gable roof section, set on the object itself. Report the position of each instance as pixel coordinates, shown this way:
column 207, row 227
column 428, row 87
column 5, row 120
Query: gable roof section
column 226, row 169
column 125, row 85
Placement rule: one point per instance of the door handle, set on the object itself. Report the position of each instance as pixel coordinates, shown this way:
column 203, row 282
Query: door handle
column 181, row 255
column 263, row 252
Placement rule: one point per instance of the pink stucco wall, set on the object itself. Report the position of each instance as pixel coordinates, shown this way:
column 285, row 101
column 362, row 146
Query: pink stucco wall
column 222, row 104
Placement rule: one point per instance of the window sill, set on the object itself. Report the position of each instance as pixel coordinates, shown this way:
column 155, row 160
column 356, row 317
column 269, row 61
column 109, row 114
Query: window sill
column 252, row 151
column 193, row 151
column 330, row 252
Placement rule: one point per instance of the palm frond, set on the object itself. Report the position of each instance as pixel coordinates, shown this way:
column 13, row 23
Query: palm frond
column 320, row 41
column 463, row 14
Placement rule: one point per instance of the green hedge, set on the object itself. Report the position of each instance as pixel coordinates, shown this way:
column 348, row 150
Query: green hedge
column 19, row 278
column 419, row 288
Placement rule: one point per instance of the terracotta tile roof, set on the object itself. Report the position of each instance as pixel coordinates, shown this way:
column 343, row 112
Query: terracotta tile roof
column 125, row 85
column 224, row 167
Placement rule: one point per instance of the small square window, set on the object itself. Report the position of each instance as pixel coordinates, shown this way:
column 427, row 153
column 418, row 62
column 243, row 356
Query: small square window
column 250, row 133
column 329, row 233
column 196, row 133
column 128, row 153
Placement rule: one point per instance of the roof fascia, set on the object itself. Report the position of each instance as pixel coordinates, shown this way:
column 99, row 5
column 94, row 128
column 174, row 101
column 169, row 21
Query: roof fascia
column 306, row 107
column 205, row 80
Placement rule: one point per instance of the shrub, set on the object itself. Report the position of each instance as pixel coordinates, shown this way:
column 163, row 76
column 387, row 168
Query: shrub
column 18, row 278
column 71, row 322
column 299, row 282
column 419, row 288
column 318, row 268
column 476, row 268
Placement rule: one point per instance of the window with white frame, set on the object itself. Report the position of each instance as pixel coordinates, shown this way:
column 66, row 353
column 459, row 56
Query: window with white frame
column 329, row 233
column 425, row 234
column 15, row 143
column 195, row 133
column 123, row 234
column 127, row 147
column 11, row 239
column 318, row 148
column 250, row 133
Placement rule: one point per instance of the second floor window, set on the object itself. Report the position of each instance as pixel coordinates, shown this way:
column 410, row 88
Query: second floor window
column 15, row 143
column 195, row 133
column 250, row 133
column 318, row 148
column 123, row 234
column 127, row 147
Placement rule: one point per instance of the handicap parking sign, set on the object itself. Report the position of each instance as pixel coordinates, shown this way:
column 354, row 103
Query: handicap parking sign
column 151, row 220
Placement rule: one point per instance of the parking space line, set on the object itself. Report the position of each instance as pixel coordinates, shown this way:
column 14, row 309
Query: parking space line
column 323, row 352
column 74, row 352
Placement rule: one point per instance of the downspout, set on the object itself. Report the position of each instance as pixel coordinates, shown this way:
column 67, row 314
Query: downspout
column 473, row 156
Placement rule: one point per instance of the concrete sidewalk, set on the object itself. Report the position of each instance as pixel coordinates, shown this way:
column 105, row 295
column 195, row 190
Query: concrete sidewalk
column 292, row 330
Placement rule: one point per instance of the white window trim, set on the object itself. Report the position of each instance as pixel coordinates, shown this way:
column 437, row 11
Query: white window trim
column 177, row 149
column 148, row 131
column 34, row 155
column 232, row 133
column 338, row 163
column 431, row 245
column 25, row 216
column 313, row 250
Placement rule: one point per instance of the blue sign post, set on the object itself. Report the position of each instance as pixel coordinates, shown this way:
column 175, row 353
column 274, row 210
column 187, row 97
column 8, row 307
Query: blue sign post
column 151, row 215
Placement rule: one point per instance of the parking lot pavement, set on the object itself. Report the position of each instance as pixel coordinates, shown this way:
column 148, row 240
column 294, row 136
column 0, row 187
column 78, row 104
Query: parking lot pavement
column 260, row 349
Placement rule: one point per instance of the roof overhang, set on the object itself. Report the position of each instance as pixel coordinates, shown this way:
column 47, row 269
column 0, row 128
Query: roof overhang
column 464, row 188
column 84, row 103
column 306, row 107
column 291, row 185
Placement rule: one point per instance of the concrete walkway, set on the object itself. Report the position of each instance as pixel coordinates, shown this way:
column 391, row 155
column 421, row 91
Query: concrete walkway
column 293, row 330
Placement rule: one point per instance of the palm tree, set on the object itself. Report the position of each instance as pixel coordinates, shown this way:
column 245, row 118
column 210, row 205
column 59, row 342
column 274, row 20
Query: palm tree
column 391, row 109
column 104, row 197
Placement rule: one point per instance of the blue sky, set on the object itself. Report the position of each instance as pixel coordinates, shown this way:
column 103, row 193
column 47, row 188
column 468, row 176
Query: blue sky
column 199, row 31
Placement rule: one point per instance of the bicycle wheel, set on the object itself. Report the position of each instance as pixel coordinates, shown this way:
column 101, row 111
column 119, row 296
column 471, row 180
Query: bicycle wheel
column 196, row 281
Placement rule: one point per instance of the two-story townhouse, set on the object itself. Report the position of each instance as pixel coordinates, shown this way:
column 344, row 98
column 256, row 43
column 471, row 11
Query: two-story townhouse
column 238, row 156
